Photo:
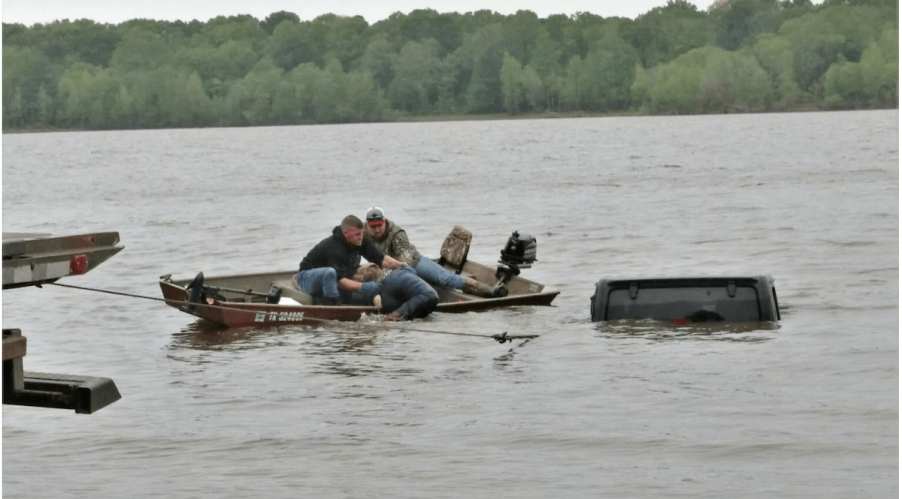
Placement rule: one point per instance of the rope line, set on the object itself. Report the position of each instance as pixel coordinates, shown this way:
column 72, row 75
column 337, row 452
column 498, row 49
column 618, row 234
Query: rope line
column 500, row 338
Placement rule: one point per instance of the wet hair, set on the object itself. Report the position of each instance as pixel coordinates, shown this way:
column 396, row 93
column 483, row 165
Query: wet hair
column 351, row 222
column 368, row 272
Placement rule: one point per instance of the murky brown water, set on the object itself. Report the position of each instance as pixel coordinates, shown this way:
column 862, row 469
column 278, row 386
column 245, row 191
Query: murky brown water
column 586, row 410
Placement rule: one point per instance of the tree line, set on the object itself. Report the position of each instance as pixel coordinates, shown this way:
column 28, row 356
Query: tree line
column 738, row 56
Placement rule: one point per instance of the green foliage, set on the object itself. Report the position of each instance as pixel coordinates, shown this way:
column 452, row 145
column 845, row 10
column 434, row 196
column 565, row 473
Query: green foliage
column 245, row 28
column 269, row 24
column 378, row 59
column 483, row 54
column 743, row 55
column 677, row 87
column 733, row 82
column 741, row 20
column 821, row 38
column 521, row 88
column 520, row 32
column 664, row 33
column 294, row 44
column 639, row 94
column 417, row 77
column 327, row 36
column 774, row 54
column 25, row 72
column 546, row 62
column 426, row 24
column 141, row 49
column 873, row 80
column 601, row 81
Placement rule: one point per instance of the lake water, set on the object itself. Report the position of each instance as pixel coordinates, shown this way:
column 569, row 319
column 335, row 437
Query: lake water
column 809, row 409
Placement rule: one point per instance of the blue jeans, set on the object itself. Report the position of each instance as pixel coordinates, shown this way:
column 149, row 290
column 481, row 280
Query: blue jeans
column 405, row 293
column 321, row 282
column 435, row 274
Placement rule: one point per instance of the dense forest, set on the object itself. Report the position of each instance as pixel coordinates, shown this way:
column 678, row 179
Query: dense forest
column 738, row 56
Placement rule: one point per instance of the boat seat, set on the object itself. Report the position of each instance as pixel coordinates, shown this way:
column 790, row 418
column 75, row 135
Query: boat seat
column 455, row 248
column 290, row 290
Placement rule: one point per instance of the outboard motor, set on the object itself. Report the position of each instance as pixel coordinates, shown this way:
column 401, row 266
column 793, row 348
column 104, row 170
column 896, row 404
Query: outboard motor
column 518, row 253
column 195, row 292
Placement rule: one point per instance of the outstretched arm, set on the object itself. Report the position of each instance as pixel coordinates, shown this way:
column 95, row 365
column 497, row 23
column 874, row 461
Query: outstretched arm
column 390, row 263
column 349, row 284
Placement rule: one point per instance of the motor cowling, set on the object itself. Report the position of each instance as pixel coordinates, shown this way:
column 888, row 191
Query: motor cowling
column 519, row 250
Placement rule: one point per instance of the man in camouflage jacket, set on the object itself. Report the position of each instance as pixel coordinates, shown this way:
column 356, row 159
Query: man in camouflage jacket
column 391, row 239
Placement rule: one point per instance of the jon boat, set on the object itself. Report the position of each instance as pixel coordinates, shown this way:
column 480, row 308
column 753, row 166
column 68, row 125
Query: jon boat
column 272, row 299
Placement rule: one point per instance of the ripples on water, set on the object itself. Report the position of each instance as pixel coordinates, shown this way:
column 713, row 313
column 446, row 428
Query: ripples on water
column 806, row 409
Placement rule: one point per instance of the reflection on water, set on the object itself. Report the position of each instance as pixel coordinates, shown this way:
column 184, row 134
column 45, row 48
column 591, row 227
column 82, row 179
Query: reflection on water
column 204, row 335
column 708, row 331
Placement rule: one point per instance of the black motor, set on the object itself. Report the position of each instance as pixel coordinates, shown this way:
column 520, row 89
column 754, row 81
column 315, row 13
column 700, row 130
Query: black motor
column 520, row 251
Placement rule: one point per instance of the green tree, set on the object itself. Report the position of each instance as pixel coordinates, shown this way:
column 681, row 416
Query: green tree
column 123, row 113
column 739, row 21
column 511, row 84
column 347, row 38
column 14, row 34
column 379, row 60
column 45, row 110
column 217, row 66
column 250, row 100
column 25, row 71
column 76, row 94
column 520, row 32
column 289, row 46
column 14, row 113
column 79, row 41
column 639, row 93
column 732, row 82
column 828, row 35
column 602, row 81
column 664, row 33
column 427, row 24
column 677, row 84
column 141, row 49
column 418, row 77
column 579, row 34
column 483, row 54
column 774, row 55
column 223, row 29
column 546, row 60
column 269, row 24
column 573, row 90
column 873, row 80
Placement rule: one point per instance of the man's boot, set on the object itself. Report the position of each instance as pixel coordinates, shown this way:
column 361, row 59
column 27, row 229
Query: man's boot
column 332, row 301
column 477, row 288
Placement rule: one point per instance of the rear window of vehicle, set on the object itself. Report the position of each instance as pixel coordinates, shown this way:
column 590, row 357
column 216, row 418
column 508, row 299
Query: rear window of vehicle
column 692, row 304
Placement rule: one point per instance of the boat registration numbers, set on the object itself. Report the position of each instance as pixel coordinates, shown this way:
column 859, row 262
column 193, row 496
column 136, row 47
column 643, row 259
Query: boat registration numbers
column 278, row 316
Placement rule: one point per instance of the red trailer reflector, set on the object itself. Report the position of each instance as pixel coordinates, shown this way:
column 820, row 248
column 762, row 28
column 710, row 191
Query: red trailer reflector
column 682, row 321
column 78, row 265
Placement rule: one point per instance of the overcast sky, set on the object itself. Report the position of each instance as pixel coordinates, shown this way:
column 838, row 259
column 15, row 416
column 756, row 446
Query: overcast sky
column 29, row 12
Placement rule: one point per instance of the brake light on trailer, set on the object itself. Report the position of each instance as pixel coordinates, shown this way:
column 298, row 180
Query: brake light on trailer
column 78, row 265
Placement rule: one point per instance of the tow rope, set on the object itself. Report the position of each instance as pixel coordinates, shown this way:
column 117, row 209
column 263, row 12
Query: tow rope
column 500, row 338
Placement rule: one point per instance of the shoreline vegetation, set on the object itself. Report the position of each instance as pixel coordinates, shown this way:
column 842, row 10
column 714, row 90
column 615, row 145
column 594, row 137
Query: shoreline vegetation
column 738, row 56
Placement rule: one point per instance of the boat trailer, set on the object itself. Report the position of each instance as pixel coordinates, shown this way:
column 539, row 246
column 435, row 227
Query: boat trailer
column 33, row 260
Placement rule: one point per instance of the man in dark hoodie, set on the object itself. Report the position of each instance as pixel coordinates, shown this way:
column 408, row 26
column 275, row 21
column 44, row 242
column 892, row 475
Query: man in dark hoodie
column 327, row 270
